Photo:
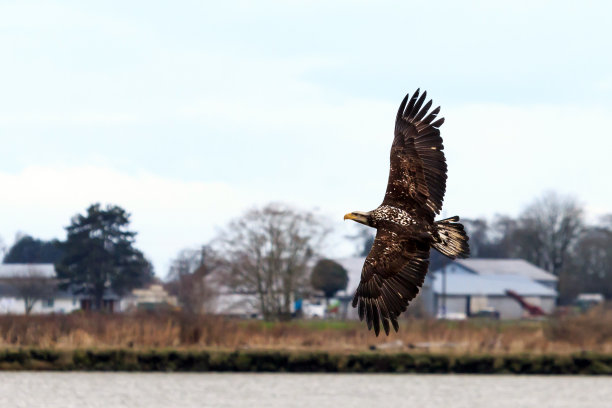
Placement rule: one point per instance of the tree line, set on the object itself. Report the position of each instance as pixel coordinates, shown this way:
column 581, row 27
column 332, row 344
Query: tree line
column 550, row 232
column 269, row 253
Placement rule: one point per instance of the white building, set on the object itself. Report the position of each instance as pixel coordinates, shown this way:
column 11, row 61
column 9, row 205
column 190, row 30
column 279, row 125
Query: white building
column 11, row 301
column 243, row 305
column 152, row 297
column 58, row 301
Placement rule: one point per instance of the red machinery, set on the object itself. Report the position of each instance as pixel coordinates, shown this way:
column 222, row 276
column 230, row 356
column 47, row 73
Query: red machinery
column 533, row 310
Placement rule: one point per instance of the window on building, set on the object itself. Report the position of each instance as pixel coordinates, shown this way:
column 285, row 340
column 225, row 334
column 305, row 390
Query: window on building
column 49, row 302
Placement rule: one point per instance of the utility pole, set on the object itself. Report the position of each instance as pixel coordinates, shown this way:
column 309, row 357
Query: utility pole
column 444, row 264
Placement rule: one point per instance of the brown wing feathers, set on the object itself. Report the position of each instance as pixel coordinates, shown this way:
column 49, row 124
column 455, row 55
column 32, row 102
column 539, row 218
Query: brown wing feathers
column 392, row 275
column 419, row 128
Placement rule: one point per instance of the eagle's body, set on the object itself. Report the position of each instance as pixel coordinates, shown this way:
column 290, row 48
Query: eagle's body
column 395, row 268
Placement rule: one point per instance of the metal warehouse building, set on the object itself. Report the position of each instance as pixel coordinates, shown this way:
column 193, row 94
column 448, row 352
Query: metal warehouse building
column 465, row 287
column 469, row 286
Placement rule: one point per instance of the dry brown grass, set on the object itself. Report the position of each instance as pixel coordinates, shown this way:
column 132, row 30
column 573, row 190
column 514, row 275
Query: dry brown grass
column 590, row 332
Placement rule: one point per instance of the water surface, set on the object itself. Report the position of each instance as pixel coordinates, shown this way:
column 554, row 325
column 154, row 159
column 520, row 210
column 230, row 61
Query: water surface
column 150, row 390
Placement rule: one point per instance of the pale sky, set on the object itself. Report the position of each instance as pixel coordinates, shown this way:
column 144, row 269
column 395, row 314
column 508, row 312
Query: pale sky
column 188, row 113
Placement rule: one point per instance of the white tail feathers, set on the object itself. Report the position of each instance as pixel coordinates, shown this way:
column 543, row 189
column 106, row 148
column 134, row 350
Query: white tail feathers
column 450, row 238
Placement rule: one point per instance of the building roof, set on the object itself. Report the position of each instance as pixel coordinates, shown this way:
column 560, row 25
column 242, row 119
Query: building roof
column 488, row 276
column 489, row 285
column 26, row 270
column 518, row 267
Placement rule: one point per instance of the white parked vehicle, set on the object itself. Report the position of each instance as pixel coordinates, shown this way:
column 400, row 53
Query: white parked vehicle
column 313, row 310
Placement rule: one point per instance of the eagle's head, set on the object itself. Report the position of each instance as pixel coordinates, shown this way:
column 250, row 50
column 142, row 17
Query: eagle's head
column 361, row 217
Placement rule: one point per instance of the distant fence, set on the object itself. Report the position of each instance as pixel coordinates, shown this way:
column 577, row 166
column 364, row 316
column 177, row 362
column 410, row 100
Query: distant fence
column 276, row 361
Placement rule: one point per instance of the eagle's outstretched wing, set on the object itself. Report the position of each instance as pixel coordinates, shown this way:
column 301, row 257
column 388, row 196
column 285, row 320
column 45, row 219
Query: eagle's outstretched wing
column 391, row 277
column 417, row 177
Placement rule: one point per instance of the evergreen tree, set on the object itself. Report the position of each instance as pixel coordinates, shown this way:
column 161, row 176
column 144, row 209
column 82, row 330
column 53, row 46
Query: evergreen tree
column 99, row 254
column 31, row 250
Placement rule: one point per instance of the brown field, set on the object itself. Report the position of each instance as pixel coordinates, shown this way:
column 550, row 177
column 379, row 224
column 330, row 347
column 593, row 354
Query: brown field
column 588, row 332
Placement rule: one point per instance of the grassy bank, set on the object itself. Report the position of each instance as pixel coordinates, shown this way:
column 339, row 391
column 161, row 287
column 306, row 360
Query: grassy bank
column 274, row 361
column 560, row 336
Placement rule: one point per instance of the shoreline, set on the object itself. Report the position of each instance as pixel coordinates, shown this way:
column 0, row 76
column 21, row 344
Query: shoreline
column 167, row 360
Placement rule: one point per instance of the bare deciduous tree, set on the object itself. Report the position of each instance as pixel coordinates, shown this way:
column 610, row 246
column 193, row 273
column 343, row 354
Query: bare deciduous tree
column 550, row 233
column 189, row 279
column 546, row 230
column 32, row 287
column 590, row 267
column 267, row 251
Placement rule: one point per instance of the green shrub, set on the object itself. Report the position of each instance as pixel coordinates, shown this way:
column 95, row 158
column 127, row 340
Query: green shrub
column 153, row 361
column 15, row 356
column 470, row 364
column 49, row 356
column 438, row 364
column 311, row 362
column 403, row 363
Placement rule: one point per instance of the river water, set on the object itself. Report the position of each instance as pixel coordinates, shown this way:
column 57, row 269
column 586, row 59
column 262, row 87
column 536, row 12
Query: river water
column 134, row 390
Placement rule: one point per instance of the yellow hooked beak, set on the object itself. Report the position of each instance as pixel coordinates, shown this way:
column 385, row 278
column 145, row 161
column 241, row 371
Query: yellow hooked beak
column 358, row 216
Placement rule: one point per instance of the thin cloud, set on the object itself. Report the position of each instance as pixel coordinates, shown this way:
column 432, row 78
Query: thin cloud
column 168, row 214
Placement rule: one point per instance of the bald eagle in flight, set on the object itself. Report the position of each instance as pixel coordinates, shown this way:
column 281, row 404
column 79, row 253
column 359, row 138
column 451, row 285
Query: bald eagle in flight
column 395, row 268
